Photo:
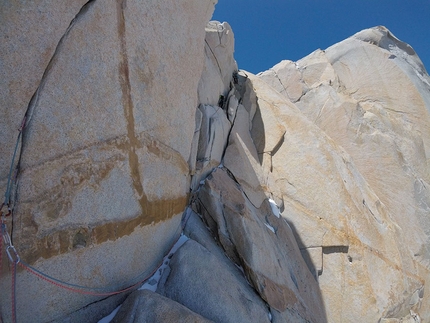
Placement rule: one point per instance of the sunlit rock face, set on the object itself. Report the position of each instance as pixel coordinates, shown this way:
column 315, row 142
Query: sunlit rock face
column 309, row 182
column 352, row 171
column 110, row 90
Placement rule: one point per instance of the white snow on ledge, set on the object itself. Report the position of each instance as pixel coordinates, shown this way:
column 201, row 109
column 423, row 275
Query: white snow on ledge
column 270, row 227
column 275, row 208
column 152, row 283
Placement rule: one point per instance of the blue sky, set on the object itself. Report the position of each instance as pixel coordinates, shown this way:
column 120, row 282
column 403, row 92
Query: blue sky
column 268, row 31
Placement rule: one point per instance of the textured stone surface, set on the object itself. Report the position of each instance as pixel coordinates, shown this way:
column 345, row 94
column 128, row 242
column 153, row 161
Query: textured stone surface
column 219, row 63
column 212, row 130
column 29, row 34
column 354, row 187
column 209, row 284
column 129, row 102
column 242, row 160
column 104, row 169
column 212, row 125
column 264, row 245
column 144, row 306
column 329, row 204
column 285, row 78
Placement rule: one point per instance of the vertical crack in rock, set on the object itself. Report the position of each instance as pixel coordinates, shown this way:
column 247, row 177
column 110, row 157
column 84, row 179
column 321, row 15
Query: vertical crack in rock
column 219, row 67
column 280, row 81
column 227, row 107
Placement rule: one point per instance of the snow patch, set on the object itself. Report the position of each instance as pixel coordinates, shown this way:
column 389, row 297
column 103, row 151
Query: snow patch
column 275, row 208
column 270, row 227
column 152, row 283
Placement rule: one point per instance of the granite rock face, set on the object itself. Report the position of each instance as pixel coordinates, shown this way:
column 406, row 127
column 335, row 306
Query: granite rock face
column 144, row 306
column 263, row 244
column 209, row 284
column 355, row 187
column 311, row 178
column 110, row 88
column 219, row 62
column 212, row 123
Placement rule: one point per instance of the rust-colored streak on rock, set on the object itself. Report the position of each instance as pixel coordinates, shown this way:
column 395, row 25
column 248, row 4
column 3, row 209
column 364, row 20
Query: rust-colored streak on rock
column 65, row 241
column 127, row 102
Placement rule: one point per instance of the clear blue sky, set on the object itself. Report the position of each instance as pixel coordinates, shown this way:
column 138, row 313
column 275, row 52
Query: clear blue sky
column 268, row 31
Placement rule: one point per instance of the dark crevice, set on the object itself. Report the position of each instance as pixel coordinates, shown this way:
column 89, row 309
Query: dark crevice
column 121, row 299
column 23, row 135
column 278, row 145
column 230, row 174
column 335, row 249
column 230, row 131
column 52, row 61
column 219, row 67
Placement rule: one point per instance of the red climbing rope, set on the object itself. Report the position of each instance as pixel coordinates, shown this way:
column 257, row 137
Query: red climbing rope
column 86, row 290
column 80, row 291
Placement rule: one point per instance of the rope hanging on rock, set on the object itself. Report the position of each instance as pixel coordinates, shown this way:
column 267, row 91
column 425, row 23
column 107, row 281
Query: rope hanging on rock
column 6, row 211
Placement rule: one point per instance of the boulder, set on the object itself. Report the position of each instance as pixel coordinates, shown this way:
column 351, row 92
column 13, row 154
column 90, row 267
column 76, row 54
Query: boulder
column 219, row 63
column 207, row 282
column 104, row 175
column 144, row 306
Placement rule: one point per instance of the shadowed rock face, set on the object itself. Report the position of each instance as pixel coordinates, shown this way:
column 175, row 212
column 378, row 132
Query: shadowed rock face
column 211, row 286
column 144, row 306
column 263, row 244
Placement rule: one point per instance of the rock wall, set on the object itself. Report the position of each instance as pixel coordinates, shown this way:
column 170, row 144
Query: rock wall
column 352, row 171
column 110, row 93
column 239, row 216
column 308, row 182
column 273, row 283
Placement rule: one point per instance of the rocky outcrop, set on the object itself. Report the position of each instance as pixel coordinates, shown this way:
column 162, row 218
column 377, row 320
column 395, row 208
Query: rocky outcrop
column 144, row 306
column 219, row 62
column 263, row 244
column 354, row 187
column 110, row 93
column 209, row 284
column 213, row 124
column 309, row 181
